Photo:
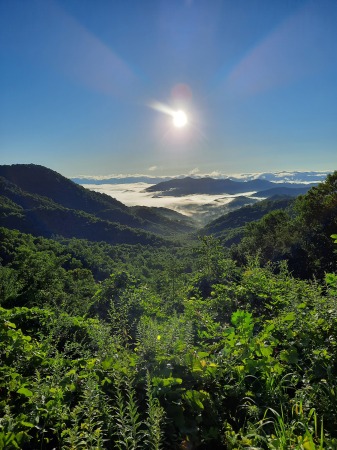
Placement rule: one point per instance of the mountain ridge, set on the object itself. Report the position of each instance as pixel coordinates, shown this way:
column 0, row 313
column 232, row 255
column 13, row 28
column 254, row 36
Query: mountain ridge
column 73, row 211
column 301, row 177
column 188, row 186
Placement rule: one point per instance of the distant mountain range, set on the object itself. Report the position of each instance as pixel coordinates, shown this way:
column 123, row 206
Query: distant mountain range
column 210, row 186
column 284, row 176
column 292, row 191
column 277, row 177
column 40, row 201
column 119, row 180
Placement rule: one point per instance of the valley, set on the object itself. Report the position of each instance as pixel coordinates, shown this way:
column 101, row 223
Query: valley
column 197, row 200
column 141, row 327
column 168, row 225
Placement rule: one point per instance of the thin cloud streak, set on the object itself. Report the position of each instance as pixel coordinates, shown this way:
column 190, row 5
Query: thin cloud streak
column 61, row 42
column 286, row 55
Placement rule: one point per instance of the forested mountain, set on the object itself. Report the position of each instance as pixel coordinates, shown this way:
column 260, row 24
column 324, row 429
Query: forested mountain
column 40, row 201
column 187, row 186
column 287, row 191
column 301, row 236
column 41, row 216
column 187, row 345
column 42, row 181
column 171, row 221
column 242, row 216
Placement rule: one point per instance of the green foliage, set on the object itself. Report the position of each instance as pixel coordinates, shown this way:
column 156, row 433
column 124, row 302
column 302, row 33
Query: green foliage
column 10, row 285
column 299, row 235
column 156, row 416
column 224, row 225
column 143, row 348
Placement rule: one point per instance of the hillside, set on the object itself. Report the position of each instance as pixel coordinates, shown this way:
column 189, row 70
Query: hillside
column 188, row 186
column 41, row 216
column 170, row 221
column 240, row 217
column 38, row 200
column 98, row 340
column 40, row 180
column 287, row 191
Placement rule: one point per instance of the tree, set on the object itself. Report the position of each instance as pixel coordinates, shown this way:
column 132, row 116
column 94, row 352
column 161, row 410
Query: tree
column 317, row 221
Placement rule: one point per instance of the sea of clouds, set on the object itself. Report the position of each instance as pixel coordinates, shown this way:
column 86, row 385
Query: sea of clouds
column 130, row 190
column 134, row 194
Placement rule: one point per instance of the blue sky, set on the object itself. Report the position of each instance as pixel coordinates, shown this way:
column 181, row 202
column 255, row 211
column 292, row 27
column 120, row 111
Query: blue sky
column 81, row 81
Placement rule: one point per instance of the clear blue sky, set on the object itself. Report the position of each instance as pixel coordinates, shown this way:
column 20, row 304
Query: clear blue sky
column 256, row 78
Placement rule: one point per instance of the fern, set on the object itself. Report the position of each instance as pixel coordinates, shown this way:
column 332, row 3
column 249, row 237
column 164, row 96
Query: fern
column 155, row 416
column 87, row 426
column 128, row 422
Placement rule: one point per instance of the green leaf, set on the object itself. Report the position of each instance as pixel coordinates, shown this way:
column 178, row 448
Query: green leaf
column 240, row 317
column 24, row 391
column 165, row 382
column 27, row 424
column 91, row 363
column 202, row 355
column 107, row 363
column 195, row 399
column 266, row 350
column 290, row 316
column 331, row 280
column 289, row 356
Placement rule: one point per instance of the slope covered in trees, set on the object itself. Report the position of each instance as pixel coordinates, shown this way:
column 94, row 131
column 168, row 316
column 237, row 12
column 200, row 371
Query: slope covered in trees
column 188, row 185
column 37, row 200
column 174, row 347
column 301, row 236
column 242, row 216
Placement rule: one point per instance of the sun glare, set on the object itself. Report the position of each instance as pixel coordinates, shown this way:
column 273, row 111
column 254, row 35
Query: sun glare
column 179, row 119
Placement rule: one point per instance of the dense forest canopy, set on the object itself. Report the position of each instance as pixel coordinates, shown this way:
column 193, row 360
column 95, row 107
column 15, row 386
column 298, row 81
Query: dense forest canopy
column 222, row 338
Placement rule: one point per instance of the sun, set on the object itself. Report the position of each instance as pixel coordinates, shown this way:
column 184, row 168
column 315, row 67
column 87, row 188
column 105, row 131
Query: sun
column 179, row 119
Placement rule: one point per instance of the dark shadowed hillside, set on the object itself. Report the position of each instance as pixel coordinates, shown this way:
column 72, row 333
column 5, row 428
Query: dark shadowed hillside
column 38, row 200
column 40, row 216
column 288, row 191
column 168, row 219
column 188, row 186
column 38, row 180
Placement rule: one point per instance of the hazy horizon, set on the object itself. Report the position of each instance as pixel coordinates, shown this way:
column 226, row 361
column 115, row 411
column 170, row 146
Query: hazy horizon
column 300, row 176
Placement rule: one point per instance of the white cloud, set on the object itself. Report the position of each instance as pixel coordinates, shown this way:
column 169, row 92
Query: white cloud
column 119, row 176
column 134, row 194
column 216, row 174
column 277, row 177
column 201, row 206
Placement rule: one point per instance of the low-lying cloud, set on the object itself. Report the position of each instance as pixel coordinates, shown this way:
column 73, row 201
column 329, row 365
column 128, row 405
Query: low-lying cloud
column 277, row 177
column 130, row 190
column 133, row 194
